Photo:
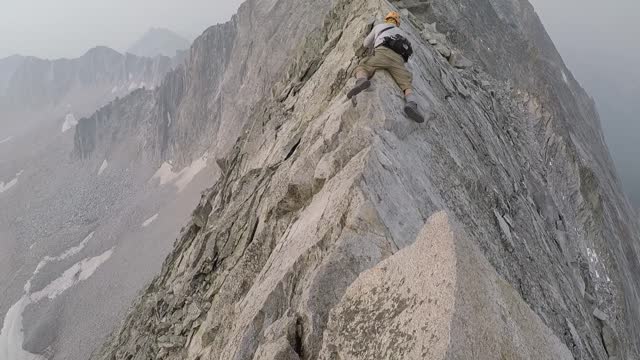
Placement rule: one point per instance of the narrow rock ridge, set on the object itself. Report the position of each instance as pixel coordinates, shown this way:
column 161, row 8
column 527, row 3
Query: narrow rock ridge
column 318, row 221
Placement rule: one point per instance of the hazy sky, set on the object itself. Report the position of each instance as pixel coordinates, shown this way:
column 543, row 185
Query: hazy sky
column 600, row 42
column 68, row 28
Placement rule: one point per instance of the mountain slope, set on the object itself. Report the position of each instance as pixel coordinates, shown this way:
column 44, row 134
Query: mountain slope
column 40, row 90
column 203, row 105
column 8, row 66
column 306, row 246
column 63, row 219
column 159, row 42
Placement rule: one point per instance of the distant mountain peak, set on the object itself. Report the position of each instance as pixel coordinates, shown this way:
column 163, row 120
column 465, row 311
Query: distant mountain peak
column 159, row 41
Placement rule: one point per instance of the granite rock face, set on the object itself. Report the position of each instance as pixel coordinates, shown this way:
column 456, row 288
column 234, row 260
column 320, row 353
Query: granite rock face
column 349, row 232
column 437, row 299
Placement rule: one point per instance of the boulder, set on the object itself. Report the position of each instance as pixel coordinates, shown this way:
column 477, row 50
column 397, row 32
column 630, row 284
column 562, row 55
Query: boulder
column 443, row 50
column 600, row 315
column 458, row 61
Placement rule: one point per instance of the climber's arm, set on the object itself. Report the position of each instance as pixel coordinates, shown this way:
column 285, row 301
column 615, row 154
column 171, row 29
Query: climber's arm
column 370, row 39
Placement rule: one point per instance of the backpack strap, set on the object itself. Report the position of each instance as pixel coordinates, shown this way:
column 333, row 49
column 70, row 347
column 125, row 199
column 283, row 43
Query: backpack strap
column 383, row 31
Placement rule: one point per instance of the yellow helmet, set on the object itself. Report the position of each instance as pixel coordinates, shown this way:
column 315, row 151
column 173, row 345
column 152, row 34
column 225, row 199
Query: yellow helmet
column 393, row 16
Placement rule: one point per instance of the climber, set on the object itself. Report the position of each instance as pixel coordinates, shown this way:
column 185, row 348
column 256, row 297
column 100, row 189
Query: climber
column 391, row 50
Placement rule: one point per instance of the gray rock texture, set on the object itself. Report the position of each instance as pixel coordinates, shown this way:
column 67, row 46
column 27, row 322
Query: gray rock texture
column 438, row 298
column 313, row 243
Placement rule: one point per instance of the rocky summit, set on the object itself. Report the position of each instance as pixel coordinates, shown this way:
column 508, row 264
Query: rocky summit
column 343, row 230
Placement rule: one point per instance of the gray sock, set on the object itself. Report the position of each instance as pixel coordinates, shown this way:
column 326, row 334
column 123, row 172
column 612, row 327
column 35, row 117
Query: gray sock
column 410, row 98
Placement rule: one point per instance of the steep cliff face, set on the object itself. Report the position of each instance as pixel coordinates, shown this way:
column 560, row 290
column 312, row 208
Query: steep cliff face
column 34, row 91
column 8, row 66
column 342, row 231
column 205, row 103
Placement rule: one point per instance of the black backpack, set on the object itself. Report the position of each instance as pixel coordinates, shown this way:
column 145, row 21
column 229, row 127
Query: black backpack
column 399, row 44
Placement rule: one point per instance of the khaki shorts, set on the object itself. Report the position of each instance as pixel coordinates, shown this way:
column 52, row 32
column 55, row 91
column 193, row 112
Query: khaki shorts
column 387, row 59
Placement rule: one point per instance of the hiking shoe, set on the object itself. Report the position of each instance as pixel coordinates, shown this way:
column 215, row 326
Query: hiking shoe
column 411, row 109
column 361, row 85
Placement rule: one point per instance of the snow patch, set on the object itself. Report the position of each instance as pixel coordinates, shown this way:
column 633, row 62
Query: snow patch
column 114, row 90
column 564, row 77
column 6, row 140
column 103, row 167
column 133, row 86
column 70, row 121
column 150, row 220
column 12, row 334
column 180, row 179
column 11, row 183
column 68, row 253
column 78, row 272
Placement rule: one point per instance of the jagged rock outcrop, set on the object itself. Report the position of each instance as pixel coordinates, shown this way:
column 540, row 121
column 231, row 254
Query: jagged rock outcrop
column 313, row 244
column 432, row 300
